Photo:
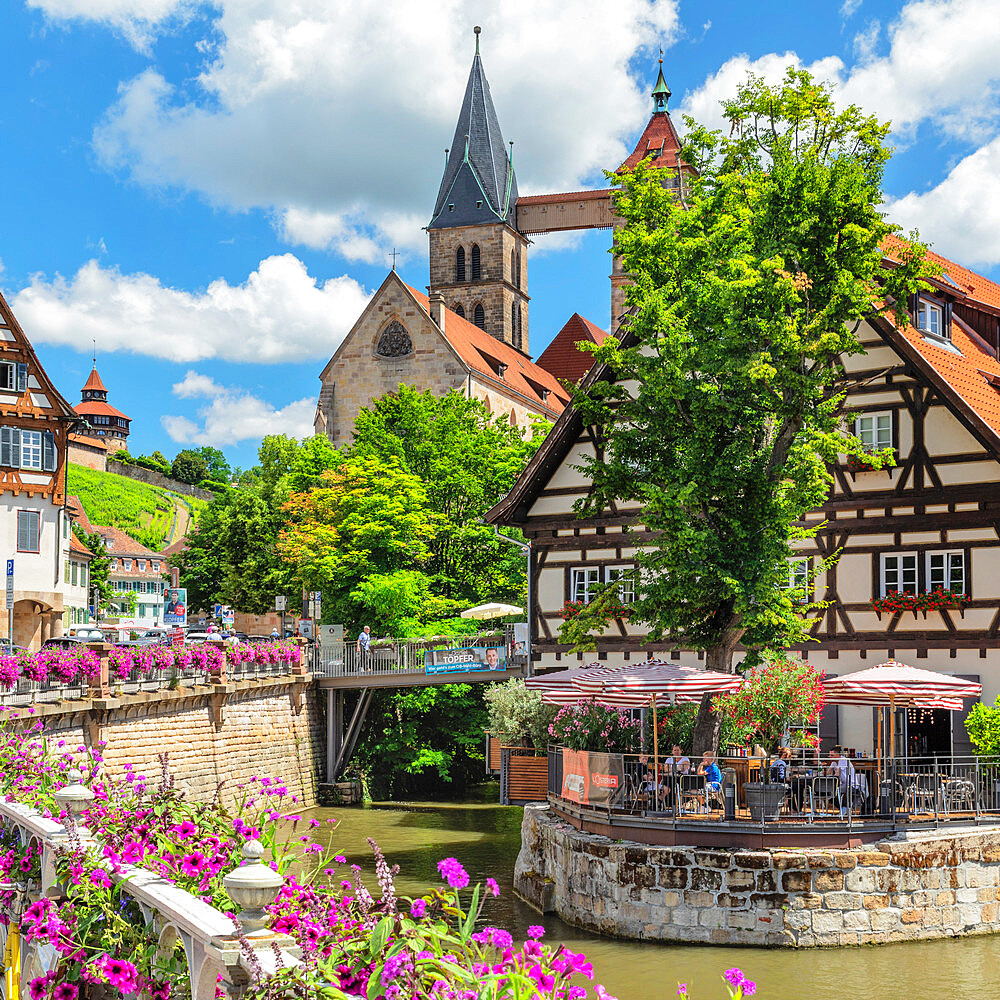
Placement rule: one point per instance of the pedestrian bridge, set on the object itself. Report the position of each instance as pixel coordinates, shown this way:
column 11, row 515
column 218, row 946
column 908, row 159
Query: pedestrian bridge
column 341, row 668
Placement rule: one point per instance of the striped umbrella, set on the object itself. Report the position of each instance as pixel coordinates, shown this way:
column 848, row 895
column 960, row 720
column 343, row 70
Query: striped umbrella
column 558, row 687
column 899, row 686
column 641, row 684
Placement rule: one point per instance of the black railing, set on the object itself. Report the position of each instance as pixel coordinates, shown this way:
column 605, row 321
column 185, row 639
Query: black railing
column 900, row 791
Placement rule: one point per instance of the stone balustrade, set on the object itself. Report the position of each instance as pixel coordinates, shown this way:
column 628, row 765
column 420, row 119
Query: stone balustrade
column 212, row 950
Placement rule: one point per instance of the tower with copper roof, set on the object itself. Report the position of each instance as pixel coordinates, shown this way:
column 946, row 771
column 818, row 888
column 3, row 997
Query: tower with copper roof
column 105, row 422
column 478, row 259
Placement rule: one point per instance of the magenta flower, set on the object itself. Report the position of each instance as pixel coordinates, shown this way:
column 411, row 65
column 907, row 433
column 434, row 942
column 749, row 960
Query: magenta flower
column 418, row 908
column 65, row 991
column 492, row 888
column 453, row 873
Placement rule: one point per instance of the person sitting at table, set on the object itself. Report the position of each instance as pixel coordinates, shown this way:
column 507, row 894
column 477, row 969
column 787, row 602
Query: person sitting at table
column 780, row 766
column 647, row 787
column 678, row 763
column 847, row 777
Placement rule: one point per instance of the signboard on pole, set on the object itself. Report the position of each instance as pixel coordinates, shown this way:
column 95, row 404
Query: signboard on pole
column 456, row 661
column 280, row 603
column 175, row 606
column 10, row 584
column 306, row 627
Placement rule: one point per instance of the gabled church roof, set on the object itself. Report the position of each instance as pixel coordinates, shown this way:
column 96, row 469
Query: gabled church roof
column 563, row 358
column 478, row 183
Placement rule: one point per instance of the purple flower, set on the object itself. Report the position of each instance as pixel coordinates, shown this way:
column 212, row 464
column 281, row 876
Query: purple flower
column 536, row 932
column 682, row 989
column 749, row 988
column 65, row 991
column 453, row 873
column 418, row 909
column 492, row 888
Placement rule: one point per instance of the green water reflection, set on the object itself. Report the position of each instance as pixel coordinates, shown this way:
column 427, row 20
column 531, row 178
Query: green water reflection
column 486, row 839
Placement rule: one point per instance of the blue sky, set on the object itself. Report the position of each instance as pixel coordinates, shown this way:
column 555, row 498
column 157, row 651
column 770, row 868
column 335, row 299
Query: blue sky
column 212, row 190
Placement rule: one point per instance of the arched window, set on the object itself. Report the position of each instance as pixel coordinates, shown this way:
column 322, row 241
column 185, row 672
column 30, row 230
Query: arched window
column 460, row 264
column 517, row 280
column 513, row 324
column 516, row 323
column 477, row 272
column 394, row 342
column 459, row 311
column 513, row 268
column 513, row 419
column 479, row 316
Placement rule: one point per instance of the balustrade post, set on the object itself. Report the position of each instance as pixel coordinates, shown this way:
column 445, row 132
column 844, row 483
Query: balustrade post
column 100, row 686
column 254, row 886
column 300, row 669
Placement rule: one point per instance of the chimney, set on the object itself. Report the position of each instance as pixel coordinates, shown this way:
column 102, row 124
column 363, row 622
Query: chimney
column 436, row 301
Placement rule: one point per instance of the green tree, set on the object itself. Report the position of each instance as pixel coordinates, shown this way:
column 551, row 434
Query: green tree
column 100, row 564
column 517, row 714
column 725, row 401
column 366, row 518
column 188, row 467
column 200, row 562
column 468, row 461
column 983, row 727
column 216, row 466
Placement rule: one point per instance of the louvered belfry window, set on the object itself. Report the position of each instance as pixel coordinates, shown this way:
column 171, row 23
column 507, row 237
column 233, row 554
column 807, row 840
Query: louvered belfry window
column 477, row 271
column 460, row 264
column 479, row 316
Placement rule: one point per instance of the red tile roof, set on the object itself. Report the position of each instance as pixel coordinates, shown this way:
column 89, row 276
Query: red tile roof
column 545, row 199
column 171, row 550
column 477, row 348
column 75, row 545
column 120, row 544
column 79, row 514
column 659, row 134
column 563, row 358
column 98, row 408
column 89, row 441
column 955, row 276
column 94, row 382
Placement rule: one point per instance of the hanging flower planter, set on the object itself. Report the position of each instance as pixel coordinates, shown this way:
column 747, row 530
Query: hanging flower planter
column 934, row 600
column 610, row 611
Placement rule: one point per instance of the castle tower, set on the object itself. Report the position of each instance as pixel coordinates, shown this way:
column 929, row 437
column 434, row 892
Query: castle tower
column 659, row 142
column 478, row 259
column 104, row 420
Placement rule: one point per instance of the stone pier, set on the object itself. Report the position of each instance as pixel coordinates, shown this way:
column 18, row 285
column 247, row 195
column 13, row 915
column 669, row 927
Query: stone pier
column 942, row 883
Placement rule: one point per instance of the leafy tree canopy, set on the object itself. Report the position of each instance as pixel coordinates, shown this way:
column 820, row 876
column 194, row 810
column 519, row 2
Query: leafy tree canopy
column 188, row 467
column 724, row 403
column 216, row 467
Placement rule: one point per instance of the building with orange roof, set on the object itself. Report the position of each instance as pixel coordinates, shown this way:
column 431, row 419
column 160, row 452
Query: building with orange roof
column 102, row 421
column 564, row 358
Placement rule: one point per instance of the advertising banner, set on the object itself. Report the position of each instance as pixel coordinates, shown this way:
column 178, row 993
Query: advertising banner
column 457, row 661
column 592, row 778
column 175, row 606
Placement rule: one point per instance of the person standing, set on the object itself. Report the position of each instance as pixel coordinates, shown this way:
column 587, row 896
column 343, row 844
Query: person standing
column 364, row 647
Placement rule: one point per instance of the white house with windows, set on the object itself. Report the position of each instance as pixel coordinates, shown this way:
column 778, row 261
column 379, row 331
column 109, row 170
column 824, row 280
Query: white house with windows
column 35, row 421
column 913, row 550
column 76, row 585
column 134, row 569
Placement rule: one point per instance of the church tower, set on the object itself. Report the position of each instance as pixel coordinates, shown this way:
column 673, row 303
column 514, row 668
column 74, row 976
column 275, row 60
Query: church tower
column 478, row 259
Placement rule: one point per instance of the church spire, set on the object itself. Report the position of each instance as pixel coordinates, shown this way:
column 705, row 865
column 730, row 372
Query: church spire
column 478, row 185
column 661, row 92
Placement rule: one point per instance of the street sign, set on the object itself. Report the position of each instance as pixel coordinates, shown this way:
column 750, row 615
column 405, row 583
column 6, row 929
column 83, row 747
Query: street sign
column 280, row 603
column 329, row 634
column 306, row 627
column 10, row 583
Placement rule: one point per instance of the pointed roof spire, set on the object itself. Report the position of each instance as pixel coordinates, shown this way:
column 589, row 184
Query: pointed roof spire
column 478, row 185
column 94, row 382
column 661, row 92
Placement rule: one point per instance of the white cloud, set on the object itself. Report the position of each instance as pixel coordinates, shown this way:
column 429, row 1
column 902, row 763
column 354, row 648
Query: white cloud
column 232, row 415
column 961, row 216
column 334, row 116
column 137, row 20
column 280, row 313
column 849, row 8
column 865, row 42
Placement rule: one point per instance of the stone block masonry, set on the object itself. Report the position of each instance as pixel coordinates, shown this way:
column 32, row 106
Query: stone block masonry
column 943, row 883
column 269, row 727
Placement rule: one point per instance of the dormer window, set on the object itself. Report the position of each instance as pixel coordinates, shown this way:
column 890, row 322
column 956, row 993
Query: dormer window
column 930, row 318
column 501, row 368
column 545, row 395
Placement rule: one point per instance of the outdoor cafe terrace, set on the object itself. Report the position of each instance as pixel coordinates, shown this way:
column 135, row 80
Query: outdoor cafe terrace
column 804, row 800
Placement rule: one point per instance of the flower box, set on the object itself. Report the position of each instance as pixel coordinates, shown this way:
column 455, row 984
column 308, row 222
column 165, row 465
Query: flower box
column 934, row 600
column 764, row 799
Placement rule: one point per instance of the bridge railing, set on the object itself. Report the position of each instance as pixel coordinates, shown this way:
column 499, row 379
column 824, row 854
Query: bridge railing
column 406, row 656
column 212, row 950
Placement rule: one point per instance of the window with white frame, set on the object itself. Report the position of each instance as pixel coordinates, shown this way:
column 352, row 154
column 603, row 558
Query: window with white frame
column 585, row 583
column 874, row 430
column 29, row 526
column 625, row 578
column 128, row 565
column 142, row 565
column 946, row 571
column 31, row 449
column 930, row 318
column 899, row 572
column 156, row 567
column 800, row 577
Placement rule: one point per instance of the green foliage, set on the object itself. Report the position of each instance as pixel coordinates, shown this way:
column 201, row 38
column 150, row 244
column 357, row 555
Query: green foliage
column 216, row 467
column 415, row 740
column 750, row 284
column 402, row 603
column 588, row 725
column 517, row 714
column 189, row 467
column 142, row 511
column 467, row 461
column 675, row 726
column 100, row 564
column 983, row 727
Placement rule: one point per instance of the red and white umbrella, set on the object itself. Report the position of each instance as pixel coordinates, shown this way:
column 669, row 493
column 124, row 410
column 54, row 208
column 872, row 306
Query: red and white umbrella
column 897, row 685
column 558, row 687
column 633, row 686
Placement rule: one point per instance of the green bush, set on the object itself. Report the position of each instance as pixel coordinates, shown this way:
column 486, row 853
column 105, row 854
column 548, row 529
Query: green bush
column 983, row 727
column 518, row 714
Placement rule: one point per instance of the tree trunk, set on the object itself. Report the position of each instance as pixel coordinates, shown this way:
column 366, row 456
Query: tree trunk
column 705, row 735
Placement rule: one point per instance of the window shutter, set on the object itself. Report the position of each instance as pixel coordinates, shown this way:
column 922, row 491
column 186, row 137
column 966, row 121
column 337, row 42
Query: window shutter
column 48, row 451
column 946, row 319
column 6, row 433
column 22, row 377
column 15, row 447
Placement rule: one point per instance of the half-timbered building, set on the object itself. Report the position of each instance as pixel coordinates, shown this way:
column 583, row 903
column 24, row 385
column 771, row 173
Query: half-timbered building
column 35, row 421
column 931, row 392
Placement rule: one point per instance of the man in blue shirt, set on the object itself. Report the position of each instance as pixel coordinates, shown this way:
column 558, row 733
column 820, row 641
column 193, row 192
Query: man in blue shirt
column 710, row 770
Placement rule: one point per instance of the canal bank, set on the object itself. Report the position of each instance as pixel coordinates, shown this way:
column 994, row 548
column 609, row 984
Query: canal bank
column 487, row 839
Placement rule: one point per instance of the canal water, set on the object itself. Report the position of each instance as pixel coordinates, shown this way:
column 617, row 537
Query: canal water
column 486, row 838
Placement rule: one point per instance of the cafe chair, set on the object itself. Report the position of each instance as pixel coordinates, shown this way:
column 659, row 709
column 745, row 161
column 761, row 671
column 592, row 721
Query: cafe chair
column 958, row 792
column 823, row 792
column 692, row 788
column 921, row 790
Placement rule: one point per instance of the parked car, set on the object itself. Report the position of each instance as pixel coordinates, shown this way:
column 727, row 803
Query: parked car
column 63, row 642
column 256, row 639
column 87, row 633
column 7, row 649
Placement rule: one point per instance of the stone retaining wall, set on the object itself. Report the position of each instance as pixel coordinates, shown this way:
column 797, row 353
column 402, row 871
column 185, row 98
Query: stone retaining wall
column 937, row 884
column 269, row 727
column 155, row 478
